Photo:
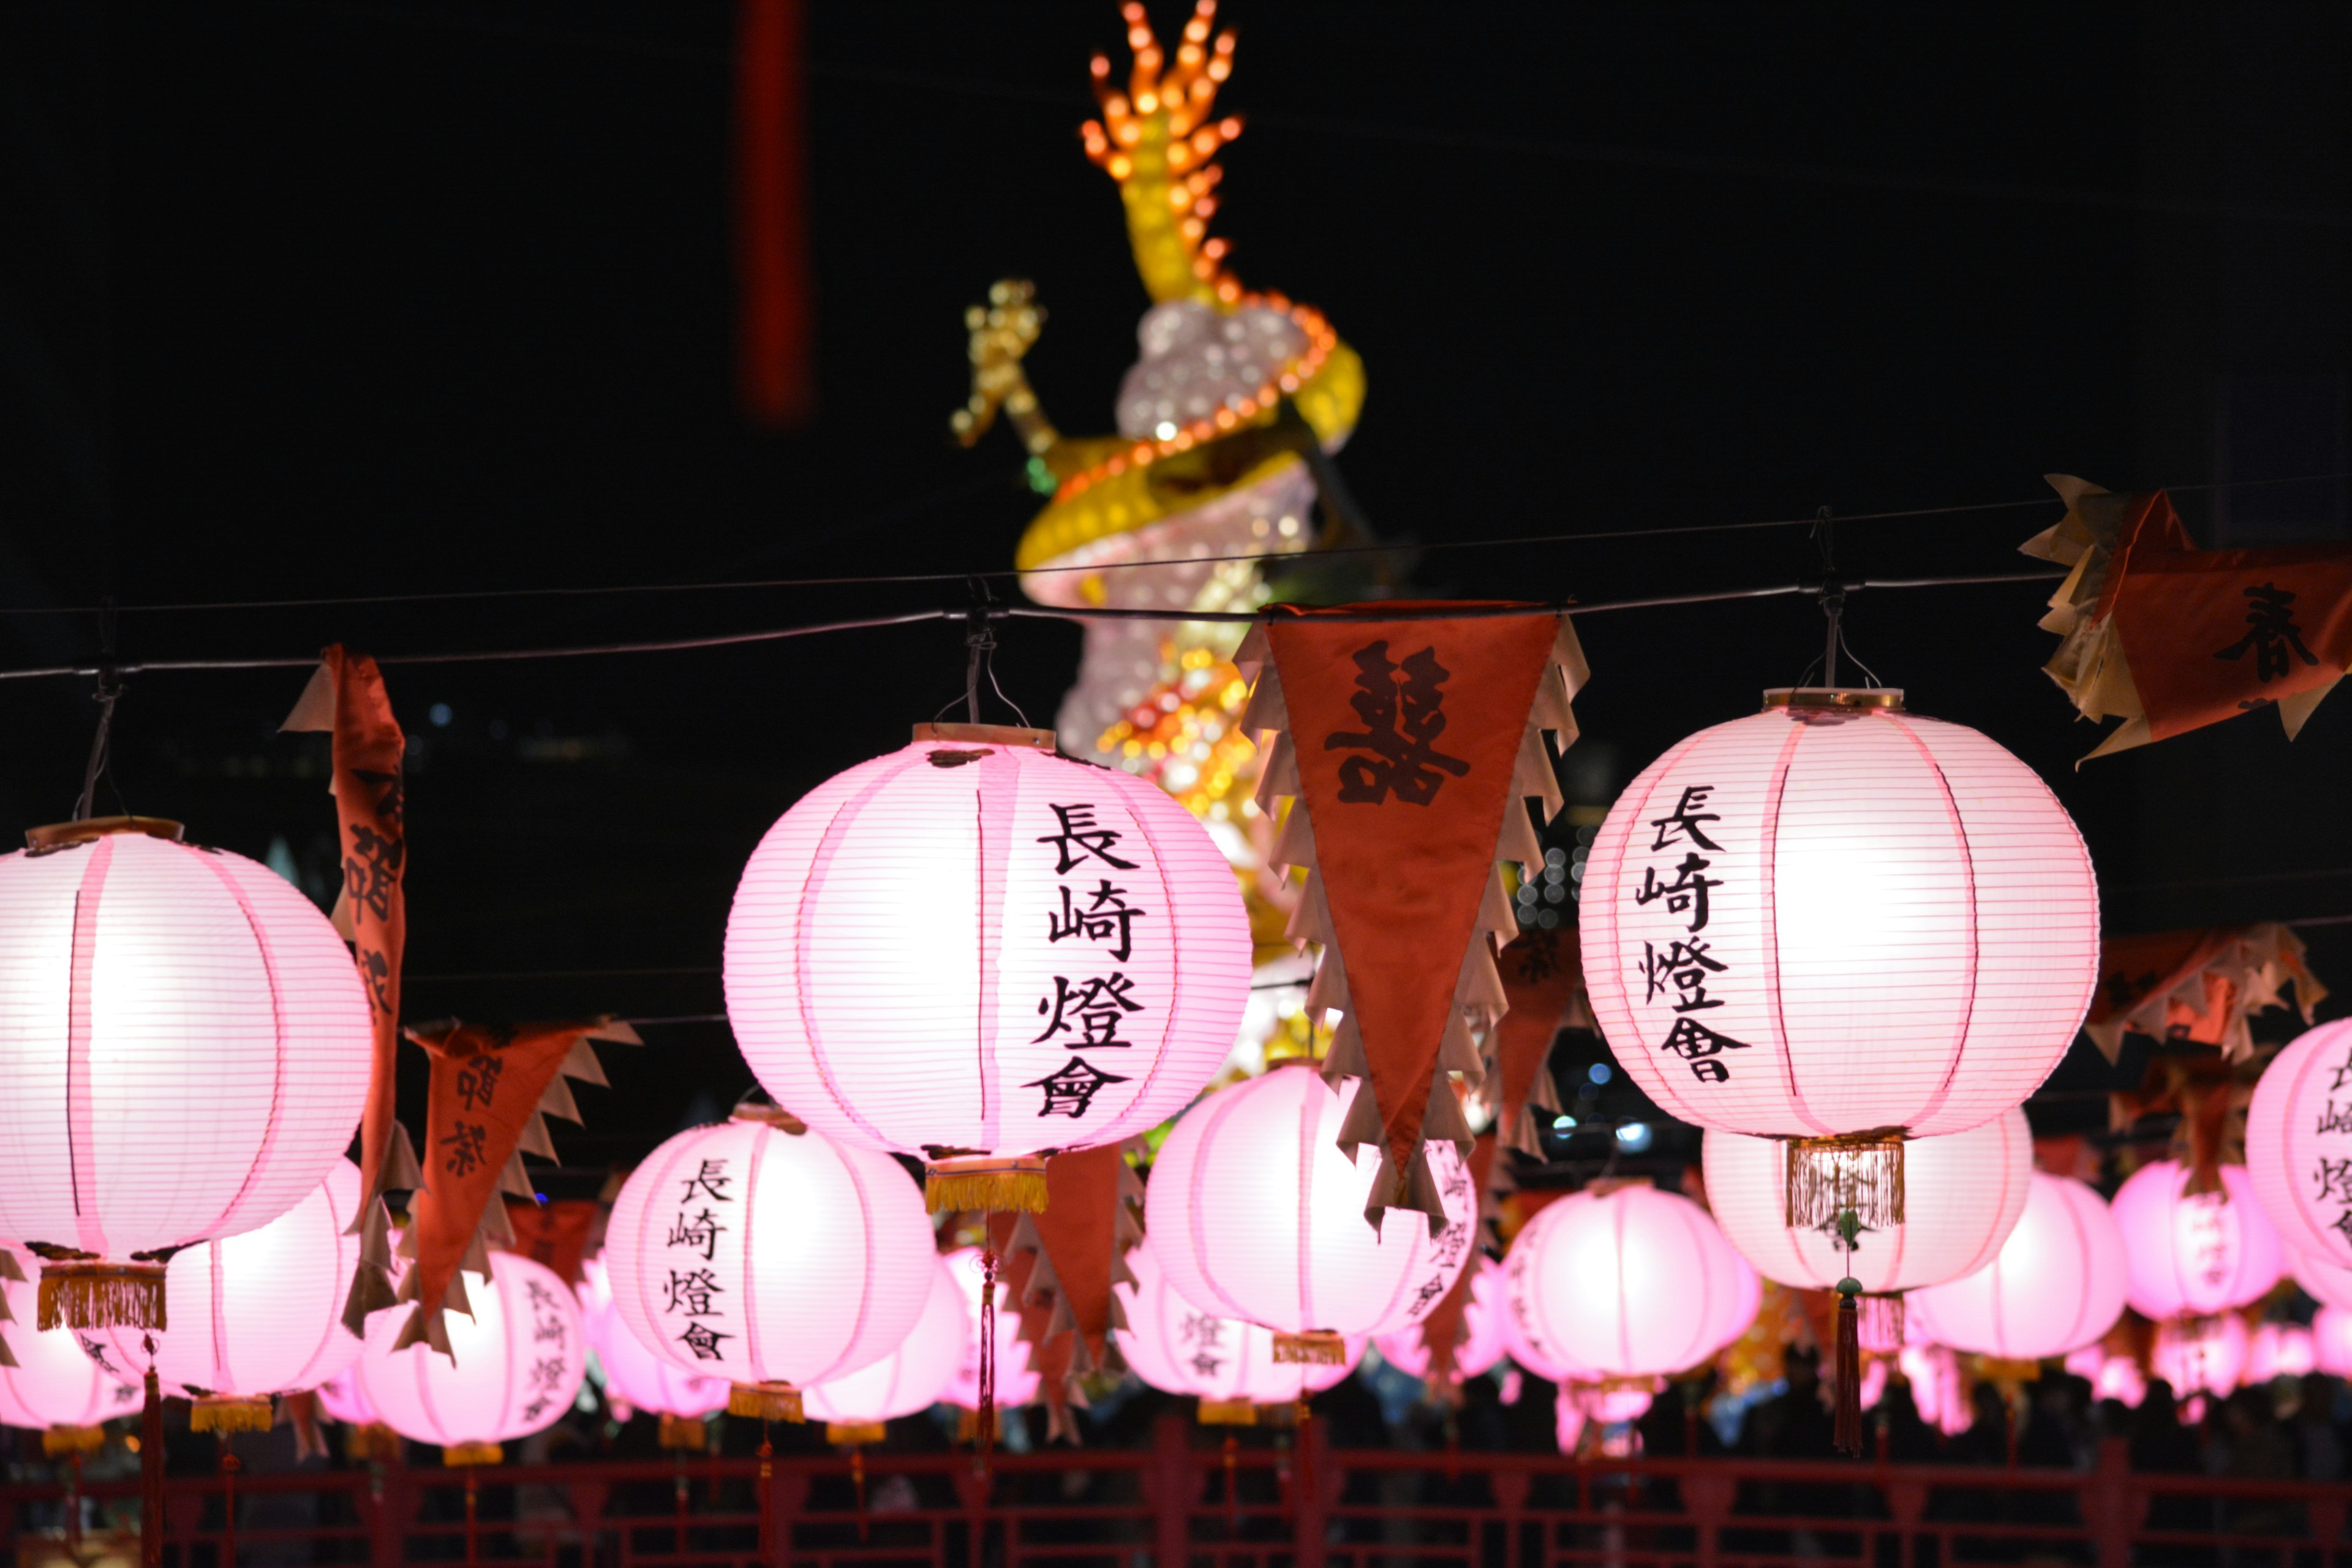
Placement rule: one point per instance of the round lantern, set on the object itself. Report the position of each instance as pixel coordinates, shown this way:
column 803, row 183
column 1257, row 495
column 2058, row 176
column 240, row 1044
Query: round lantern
column 261, row 1313
column 1256, row 1214
column 55, row 1388
column 183, row 1048
column 2331, row 1341
column 1966, row 1191
column 2299, row 1143
column 341, row 1399
column 2324, row 1282
column 1629, row 1284
column 1938, row 1391
column 912, row 1377
column 634, row 1378
column 769, row 1254
column 2201, row 1355
column 978, row 951
column 1017, row 1379
column 519, row 1363
column 1226, row 1363
column 2192, row 1255
column 1839, row 923
column 2278, row 1349
column 2056, row 1285
column 1480, row 1345
column 1574, row 1409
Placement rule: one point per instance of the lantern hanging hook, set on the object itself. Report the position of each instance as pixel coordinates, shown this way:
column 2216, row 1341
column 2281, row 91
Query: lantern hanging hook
column 980, row 641
column 1830, row 596
column 109, row 693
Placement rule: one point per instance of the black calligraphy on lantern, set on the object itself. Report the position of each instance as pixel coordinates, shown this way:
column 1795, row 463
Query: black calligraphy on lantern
column 1072, row 1087
column 1686, row 895
column 468, row 1146
column 694, row 1294
column 702, row 1230
column 691, row 1292
column 1687, row 971
column 1083, row 838
column 1206, row 1335
column 1681, row 971
column 1086, row 1012
column 478, row 1080
column 2271, row 636
column 1403, row 709
column 704, row 1341
column 1682, row 824
column 1104, row 917
column 1091, row 1007
column 2335, row 1179
column 712, row 1179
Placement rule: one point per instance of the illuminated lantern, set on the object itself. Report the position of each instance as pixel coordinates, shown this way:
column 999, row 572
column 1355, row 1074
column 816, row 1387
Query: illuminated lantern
column 1841, row 924
column 1574, row 1409
column 1017, row 1379
column 261, row 1313
column 1076, row 975
column 2056, row 1285
column 913, row 1377
column 2299, row 1143
column 2201, row 1355
column 1966, row 1191
column 1256, row 1214
column 183, row 1048
column 636, row 1379
column 2331, row 1341
column 1481, row 1330
column 2324, row 1282
column 1228, row 1365
column 817, row 1257
column 519, row 1361
column 341, row 1398
column 1938, row 1392
column 2192, row 1255
column 1629, row 1284
column 54, row 1388
column 2278, row 1349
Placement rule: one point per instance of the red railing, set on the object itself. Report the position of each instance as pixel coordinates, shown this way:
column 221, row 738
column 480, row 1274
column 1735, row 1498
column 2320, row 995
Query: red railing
column 1190, row 1502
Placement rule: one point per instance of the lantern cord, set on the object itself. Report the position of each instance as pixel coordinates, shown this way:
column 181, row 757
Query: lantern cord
column 984, row 1428
column 151, row 1466
column 109, row 692
column 980, row 639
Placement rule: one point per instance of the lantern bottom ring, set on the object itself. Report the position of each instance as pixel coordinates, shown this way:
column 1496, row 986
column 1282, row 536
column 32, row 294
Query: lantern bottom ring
column 100, row 1293
column 1228, row 1413
column 852, row 1433
column 1316, row 1347
column 1857, row 1172
column 765, row 1402
column 55, row 1440
column 373, row 1442
column 986, row 1181
column 457, row 1454
column 684, row 1434
column 231, row 1413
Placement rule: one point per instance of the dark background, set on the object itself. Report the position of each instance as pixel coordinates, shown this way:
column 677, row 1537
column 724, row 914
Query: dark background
column 319, row 298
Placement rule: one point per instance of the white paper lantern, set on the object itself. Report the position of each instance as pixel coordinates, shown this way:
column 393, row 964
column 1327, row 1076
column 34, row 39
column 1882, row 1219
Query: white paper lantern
column 912, row 1377
column 772, row 1258
column 1225, row 1363
column 2056, row 1285
column 54, row 1387
column 2299, row 1143
column 1841, row 922
column 2201, row 1355
column 636, row 1379
column 2331, row 1341
column 1633, row 1283
column 2278, row 1349
column 258, row 1314
column 978, row 950
column 2192, row 1255
column 1966, row 1191
column 519, row 1361
column 184, row 1049
column 2324, row 1282
column 1256, row 1214
column 1016, row 1378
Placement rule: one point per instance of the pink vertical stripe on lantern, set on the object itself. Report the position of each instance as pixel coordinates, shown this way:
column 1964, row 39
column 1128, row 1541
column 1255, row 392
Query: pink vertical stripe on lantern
column 81, row 1141
column 917, row 1372
column 2056, row 1285
column 2194, row 1256
column 2299, row 1143
column 1906, row 918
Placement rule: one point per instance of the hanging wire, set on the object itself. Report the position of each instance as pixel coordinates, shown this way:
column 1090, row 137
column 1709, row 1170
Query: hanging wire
column 109, row 693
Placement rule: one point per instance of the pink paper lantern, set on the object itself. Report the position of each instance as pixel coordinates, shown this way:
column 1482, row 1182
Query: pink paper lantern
column 1938, row 1392
column 1633, row 1283
column 261, row 1313
column 1017, row 1379
column 1480, row 1345
column 914, row 1376
column 2331, row 1341
column 1966, row 1191
column 183, row 1048
column 634, row 1378
column 2201, row 1355
column 1573, row 1409
column 1822, row 922
column 341, row 1399
column 2299, row 1143
column 519, row 1363
column 2278, row 1349
column 2193, row 1257
column 1076, row 975
column 53, row 1383
column 2324, row 1282
column 1179, row 1349
column 1256, row 1214
column 2056, row 1285
column 771, row 1258
column 2115, row 1377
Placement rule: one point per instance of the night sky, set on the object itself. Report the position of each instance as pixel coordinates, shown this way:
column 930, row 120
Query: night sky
column 323, row 299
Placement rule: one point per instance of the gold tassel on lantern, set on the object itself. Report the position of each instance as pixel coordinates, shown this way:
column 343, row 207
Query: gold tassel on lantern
column 1316, row 1347
column 1860, row 1173
column 1228, row 1413
column 684, row 1433
column 765, row 1402
column 986, row 1183
column 850, row 1433
column 58, row 1440
column 457, row 1454
column 229, row 1412
column 94, row 1293
column 373, row 1442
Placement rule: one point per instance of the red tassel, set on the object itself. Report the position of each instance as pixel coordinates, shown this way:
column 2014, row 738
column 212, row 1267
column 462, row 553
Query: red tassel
column 1848, row 1372
column 985, row 1427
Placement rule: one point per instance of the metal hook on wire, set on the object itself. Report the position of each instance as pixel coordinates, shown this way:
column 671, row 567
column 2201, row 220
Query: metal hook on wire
column 980, row 641
column 109, row 693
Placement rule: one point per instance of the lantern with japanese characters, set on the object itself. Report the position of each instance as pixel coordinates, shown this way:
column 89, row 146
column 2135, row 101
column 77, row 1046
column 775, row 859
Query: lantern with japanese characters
column 2201, row 1355
column 1076, row 975
column 53, row 1387
column 1482, row 1342
column 1840, row 925
column 1256, row 1213
column 2056, row 1285
column 1015, row 1376
column 184, row 1047
column 2194, row 1254
column 2278, row 1349
column 914, row 1376
column 516, row 1366
column 1229, row 1365
column 258, row 1314
column 636, row 1378
column 2299, row 1143
column 765, row 1253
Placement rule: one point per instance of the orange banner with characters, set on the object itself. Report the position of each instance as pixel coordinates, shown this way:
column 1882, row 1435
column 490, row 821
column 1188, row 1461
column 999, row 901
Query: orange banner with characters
column 1543, row 982
column 556, row 1233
